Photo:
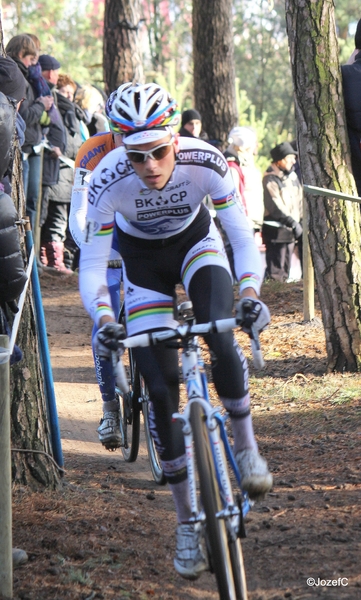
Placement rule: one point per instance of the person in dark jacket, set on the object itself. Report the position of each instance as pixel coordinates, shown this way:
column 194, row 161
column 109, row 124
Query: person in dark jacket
column 22, row 49
column 53, row 234
column 351, row 81
column 283, row 194
column 13, row 86
column 357, row 44
column 55, row 136
column 12, row 274
column 191, row 125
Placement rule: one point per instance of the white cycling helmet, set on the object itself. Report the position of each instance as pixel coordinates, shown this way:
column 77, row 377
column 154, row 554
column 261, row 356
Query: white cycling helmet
column 137, row 108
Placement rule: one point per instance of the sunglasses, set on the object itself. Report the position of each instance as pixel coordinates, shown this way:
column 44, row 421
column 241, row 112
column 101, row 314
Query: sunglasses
column 157, row 153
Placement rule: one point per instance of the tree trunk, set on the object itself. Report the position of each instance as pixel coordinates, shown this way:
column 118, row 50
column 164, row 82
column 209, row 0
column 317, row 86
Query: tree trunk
column 29, row 421
column 121, row 50
column 214, row 70
column 334, row 225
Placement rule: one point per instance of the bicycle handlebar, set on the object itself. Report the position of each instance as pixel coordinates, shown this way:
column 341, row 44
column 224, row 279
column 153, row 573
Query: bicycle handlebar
column 185, row 331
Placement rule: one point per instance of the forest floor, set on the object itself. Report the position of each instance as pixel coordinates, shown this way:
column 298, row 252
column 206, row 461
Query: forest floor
column 108, row 532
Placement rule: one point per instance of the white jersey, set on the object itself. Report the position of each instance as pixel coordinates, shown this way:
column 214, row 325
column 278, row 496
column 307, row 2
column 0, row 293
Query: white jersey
column 115, row 188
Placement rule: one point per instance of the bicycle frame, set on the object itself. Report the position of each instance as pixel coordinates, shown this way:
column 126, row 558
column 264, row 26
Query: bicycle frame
column 195, row 380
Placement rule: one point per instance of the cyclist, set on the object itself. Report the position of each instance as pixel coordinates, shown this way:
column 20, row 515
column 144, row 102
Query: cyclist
column 89, row 156
column 155, row 185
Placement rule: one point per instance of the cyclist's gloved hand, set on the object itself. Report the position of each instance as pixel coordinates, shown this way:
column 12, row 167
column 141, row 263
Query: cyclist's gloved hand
column 107, row 339
column 250, row 311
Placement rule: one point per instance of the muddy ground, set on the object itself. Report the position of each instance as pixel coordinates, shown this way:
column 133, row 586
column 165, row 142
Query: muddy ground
column 108, row 533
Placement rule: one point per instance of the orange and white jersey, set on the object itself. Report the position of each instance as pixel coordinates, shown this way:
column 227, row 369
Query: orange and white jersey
column 89, row 156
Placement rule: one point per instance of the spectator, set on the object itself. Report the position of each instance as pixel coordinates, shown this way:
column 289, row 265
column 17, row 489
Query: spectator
column 23, row 51
column 56, row 139
column 41, row 86
column 240, row 155
column 53, row 233
column 357, row 44
column 92, row 102
column 13, row 86
column 216, row 143
column 191, row 125
column 231, row 154
column 297, row 170
column 242, row 145
column 283, row 211
column 12, row 274
column 351, row 81
column 296, row 166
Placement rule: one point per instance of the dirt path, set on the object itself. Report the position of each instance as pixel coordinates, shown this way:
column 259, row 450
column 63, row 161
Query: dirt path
column 109, row 533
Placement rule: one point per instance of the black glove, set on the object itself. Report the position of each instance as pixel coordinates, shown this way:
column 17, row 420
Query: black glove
column 107, row 338
column 251, row 312
column 297, row 229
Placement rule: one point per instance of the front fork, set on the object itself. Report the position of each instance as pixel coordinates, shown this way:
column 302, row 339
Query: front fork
column 195, row 380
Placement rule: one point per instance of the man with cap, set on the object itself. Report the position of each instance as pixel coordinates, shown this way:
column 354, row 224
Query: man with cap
column 191, row 124
column 50, row 69
column 283, row 211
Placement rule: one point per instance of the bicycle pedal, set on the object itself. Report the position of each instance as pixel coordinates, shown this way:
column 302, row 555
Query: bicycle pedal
column 112, row 446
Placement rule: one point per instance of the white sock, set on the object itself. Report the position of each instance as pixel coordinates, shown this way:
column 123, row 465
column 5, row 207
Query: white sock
column 111, row 406
column 243, row 434
column 180, row 492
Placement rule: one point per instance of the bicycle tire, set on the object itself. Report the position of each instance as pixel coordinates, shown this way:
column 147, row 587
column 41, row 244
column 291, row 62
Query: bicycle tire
column 239, row 574
column 154, row 460
column 216, row 531
column 130, row 414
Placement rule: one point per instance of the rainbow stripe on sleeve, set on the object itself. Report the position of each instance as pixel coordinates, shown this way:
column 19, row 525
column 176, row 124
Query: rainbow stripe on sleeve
column 103, row 309
column 225, row 202
column 106, row 229
column 149, row 309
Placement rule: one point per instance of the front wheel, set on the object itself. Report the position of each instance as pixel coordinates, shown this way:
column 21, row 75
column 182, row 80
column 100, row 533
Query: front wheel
column 239, row 574
column 130, row 413
column 223, row 553
column 154, row 460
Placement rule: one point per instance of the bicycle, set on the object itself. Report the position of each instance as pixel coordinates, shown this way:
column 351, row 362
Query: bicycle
column 220, row 512
column 132, row 403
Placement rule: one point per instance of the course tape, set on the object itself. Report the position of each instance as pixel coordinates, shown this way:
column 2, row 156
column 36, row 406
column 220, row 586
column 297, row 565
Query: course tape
column 16, row 322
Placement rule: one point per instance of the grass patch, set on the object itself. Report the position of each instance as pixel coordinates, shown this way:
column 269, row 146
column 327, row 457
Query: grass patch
column 78, row 576
column 329, row 389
